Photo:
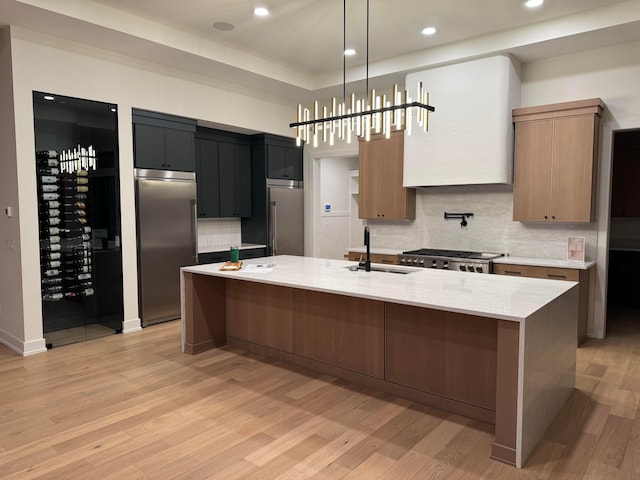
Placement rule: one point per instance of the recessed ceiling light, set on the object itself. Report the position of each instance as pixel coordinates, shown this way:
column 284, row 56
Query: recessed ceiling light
column 224, row 26
column 533, row 3
column 429, row 31
column 349, row 52
column 49, row 97
column 261, row 11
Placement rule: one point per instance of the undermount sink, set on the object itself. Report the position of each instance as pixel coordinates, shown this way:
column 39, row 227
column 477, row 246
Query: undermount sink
column 376, row 268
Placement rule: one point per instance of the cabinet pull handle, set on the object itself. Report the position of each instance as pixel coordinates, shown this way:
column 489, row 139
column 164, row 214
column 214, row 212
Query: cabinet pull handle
column 513, row 272
column 556, row 275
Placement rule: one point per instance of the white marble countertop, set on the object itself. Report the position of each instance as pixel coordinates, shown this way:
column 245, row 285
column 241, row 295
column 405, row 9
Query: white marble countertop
column 544, row 262
column 224, row 248
column 496, row 296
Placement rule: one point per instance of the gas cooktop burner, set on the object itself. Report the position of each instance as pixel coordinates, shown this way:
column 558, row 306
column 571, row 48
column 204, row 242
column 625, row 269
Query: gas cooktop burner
column 460, row 260
column 430, row 252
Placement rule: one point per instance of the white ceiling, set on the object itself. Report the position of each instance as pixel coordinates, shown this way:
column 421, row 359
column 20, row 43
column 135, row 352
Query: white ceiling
column 297, row 50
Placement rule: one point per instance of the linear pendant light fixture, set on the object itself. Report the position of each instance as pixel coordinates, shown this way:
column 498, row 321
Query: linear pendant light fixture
column 361, row 118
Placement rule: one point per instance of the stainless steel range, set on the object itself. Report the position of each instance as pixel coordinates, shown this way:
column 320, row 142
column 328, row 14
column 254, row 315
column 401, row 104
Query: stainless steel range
column 462, row 261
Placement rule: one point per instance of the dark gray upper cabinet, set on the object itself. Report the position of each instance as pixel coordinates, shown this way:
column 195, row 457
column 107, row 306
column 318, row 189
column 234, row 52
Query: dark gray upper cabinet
column 163, row 142
column 207, row 178
column 235, row 180
column 223, row 174
column 284, row 162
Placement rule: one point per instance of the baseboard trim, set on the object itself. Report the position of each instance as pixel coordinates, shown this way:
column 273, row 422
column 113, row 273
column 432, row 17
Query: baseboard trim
column 24, row 349
column 133, row 325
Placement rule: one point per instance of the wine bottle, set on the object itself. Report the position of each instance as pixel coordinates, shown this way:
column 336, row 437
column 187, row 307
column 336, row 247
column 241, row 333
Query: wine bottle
column 46, row 154
column 48, row 170
column 48, row 162
column 48, row 179
column 49, row 221
column 73, row 180
column 53, row 247
column 53, row 264
column 50, row 255
column 75, row 204
column 51, row 281
column 50, row 196
column 54, row 204
column 52, row 289
column 50, row 212
column 51, row 272
column 49, row 187
column 52, row 297
column 82, row 173
column 70, row 222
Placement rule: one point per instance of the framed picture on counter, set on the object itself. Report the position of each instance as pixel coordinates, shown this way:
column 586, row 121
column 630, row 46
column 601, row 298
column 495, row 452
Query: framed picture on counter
column 575, row 249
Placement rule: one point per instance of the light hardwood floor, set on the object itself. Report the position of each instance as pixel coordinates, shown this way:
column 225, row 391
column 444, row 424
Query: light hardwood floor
column 133, row 406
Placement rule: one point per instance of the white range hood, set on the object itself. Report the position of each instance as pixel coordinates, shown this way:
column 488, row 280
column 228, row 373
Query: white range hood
column 470, row 137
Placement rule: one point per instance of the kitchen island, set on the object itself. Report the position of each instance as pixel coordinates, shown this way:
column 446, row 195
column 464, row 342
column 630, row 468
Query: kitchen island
column 495, row 348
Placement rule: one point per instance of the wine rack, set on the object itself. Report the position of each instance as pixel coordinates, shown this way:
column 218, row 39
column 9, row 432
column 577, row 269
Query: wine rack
column 65, row 230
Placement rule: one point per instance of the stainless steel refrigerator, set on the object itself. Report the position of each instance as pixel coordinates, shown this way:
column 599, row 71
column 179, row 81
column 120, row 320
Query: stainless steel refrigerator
column 166, row 227
column 285, row 217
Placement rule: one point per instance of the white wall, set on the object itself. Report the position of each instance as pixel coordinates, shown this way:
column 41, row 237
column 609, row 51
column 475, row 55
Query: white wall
column 11, row 312
column 50, row 64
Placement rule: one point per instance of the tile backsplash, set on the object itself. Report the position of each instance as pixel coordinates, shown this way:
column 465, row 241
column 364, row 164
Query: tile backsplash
column 491, row 229
column 218, row 233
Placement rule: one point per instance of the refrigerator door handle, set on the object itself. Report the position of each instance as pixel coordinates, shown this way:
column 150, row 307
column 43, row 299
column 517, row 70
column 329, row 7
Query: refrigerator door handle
column 274, row 233
column 194, row 229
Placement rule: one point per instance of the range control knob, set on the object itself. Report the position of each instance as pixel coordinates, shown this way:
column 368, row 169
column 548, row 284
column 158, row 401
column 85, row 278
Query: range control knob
column 479, row 269
column 445, row 265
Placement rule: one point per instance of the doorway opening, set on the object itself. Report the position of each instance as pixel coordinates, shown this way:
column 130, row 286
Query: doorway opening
column 623, row 283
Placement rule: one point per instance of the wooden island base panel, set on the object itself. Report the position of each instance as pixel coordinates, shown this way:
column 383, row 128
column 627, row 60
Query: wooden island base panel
column 467, row 364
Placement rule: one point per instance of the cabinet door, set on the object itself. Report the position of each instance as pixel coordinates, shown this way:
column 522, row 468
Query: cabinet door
column 235, row 180
column 371, row 176
column 227, row 180
column 276, row 161
column 252, row 253
column 178, row 150
column 213, row 257
column 532, row 172
column 208, row 179
column 293, row 163
column 149, row 150
column 381, row 194
column 243, row 180
column 573, row 169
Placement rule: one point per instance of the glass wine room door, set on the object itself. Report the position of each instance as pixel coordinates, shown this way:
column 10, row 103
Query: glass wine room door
column 76, row 155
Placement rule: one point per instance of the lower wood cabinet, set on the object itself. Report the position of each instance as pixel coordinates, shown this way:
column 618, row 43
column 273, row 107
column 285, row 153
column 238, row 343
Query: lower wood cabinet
column 375, row 258
column 260, row 314
column 340, row 330
column 583, row 277
column 446, row 354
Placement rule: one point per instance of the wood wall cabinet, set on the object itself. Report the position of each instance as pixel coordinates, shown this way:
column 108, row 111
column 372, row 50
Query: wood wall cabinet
column 556, row 152
column 381, row 194
column 582, row 276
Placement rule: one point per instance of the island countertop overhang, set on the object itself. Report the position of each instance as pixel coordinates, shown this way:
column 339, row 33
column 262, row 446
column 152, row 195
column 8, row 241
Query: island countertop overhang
column 494, row 296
